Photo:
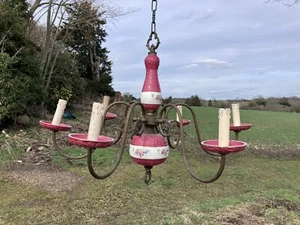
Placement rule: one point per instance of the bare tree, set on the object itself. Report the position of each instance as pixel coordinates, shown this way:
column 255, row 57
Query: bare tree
column 285, row 2
column 53, row 13
column 110, row 10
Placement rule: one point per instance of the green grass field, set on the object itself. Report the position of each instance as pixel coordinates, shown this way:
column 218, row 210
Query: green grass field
column 260, row 185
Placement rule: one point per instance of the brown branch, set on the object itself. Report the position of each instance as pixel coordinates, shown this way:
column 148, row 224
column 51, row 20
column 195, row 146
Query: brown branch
column 282, row 2
column 37, row 4
column 20, row 49
column 34, row 7
column 4, row 36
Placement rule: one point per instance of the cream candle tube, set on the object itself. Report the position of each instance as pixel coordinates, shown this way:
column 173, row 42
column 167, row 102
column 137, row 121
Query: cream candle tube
column 95, row 121
column 236, row 114
column 179, row 107
column 224, row 124
column 61, row 105
column 105, row 103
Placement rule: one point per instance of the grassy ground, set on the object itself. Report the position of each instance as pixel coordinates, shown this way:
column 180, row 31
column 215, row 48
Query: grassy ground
column 260, row 185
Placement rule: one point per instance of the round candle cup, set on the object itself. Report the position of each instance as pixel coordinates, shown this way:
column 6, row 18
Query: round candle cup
column 243, row 126
column 184, row 122
column 213, row 146
column 82, row 141
column 60, row 127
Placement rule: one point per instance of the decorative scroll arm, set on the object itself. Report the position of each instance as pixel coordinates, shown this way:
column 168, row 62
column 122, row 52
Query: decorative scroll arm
column 222, row 160
column 60, row 151
column 121, row 151
column 181, row 140
column 120, row 128
column 198, row 178
column 166, row 125
column 197, row 129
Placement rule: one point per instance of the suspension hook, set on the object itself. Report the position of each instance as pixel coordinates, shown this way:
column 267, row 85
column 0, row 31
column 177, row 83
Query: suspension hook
column 153, row 33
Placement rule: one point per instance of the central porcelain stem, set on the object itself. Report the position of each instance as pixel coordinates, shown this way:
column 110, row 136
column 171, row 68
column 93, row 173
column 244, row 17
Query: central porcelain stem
column 151, row 148
column 151, row 95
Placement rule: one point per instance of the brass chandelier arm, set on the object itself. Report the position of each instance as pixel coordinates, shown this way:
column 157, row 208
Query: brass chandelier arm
column 167, row 124
column 214, row 178
column 120, row 128
column 198, row 130
column 123, row 143
column 91, row 169
column 173, row 144
column 222, row 160
column 139, row 122
column 181, row 141
column 60, row 151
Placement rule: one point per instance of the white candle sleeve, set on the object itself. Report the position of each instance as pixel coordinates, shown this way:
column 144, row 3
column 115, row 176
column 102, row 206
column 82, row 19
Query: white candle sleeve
column 95, row 121
column 180, row 110
column 105, row 106
column 105, row 102
column 236, row 114
column 61, row 105
column 224, row 125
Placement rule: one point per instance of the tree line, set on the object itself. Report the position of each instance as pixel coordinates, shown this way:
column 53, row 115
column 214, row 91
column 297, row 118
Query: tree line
column 282, row 104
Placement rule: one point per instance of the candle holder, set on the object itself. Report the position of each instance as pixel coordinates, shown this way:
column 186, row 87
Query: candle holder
column 213, row 146
column 55, row 129
column 150, row 130
column 65, row 127
column 238, row 129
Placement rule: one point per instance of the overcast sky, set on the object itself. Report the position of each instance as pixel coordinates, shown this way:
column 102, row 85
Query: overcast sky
column 216, row 49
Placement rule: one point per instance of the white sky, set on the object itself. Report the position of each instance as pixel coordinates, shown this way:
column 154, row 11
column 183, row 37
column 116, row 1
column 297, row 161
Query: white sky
column 216, row 49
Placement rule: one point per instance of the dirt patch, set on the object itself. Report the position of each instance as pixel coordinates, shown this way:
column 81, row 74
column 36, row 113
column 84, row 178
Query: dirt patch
column 259, row 214
column 274, row 151
column 241, row 215
column 36, row 167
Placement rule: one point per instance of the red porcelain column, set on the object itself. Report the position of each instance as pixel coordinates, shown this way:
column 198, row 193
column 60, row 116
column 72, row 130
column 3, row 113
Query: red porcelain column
column 151, row 95
column 149, row 149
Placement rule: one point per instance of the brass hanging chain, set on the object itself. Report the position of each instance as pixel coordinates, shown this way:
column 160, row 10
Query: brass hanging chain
column 153, row 33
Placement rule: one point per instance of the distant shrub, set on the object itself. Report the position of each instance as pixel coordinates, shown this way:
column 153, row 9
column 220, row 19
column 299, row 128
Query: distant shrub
column 285, row 102
column 252, row 104
column 194, row 100
column 221, row 104
column 276, row 107
column 261, row 101
column 296, row 108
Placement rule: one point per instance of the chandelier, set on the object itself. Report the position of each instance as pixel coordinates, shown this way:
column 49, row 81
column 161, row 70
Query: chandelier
column 148, row 125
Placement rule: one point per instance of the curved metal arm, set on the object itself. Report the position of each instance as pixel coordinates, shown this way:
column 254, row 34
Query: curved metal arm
column 197, row 129
column 214, row 178
column 120, row 128
column 222, row 161
column 165, row 128
column 121, row 151
column 91, row 169
column 166, row 110
column 60, row 151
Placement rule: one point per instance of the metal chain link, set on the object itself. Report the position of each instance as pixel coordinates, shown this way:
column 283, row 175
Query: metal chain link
column 153, row 33
column 153, row 8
